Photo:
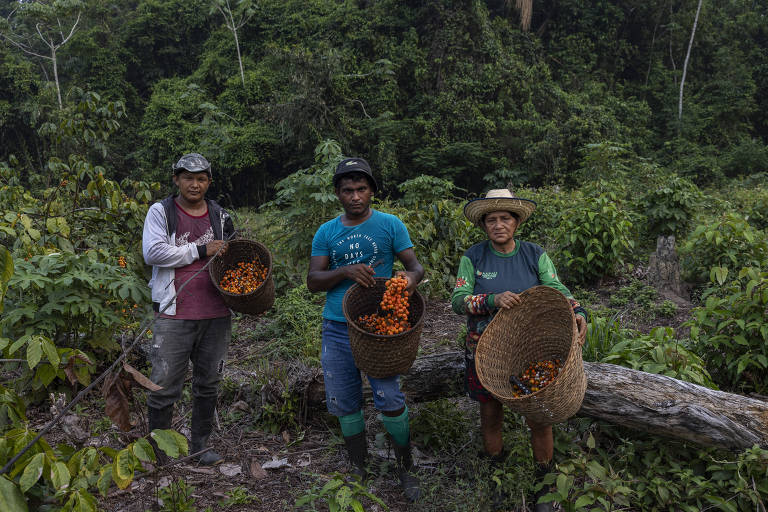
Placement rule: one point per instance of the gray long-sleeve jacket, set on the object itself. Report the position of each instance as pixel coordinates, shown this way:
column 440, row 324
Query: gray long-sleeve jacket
column 160, row 250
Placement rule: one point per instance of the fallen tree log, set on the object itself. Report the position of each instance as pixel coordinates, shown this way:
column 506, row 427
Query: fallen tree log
column 644, row 401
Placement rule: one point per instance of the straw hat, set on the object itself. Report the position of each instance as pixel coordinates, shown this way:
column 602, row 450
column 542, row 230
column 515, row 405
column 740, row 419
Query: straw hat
column 500, row 199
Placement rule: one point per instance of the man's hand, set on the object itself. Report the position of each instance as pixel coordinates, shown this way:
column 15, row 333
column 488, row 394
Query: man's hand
column 581, row 324
column 213, row 246
column 506, row 300
column 411, row 286
column 360, row 273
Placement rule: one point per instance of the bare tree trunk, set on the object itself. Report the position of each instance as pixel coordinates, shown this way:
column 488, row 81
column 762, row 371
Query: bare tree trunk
column 239, row 58
column 56, row 75
column 685, row 64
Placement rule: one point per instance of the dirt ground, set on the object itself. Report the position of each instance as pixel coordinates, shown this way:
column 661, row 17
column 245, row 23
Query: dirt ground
column 265, row 471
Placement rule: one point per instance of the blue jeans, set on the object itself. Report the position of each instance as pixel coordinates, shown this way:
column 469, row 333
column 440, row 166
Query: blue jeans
column 176, row 342
column 343, row 384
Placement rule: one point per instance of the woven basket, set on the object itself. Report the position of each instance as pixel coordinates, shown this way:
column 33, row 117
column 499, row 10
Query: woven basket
column 259, row 300
column 382, row 356
column 542, row 327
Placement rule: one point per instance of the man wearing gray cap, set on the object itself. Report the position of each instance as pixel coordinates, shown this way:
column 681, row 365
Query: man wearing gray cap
column 355, row 247
column 181, row 233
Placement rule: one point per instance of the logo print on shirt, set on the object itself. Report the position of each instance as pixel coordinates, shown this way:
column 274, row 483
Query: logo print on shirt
column 486, row 275
column 204, row 238
column 353, row 249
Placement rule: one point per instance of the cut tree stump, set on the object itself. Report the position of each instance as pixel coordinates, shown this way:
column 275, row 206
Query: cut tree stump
column 664, row 268
column 644, row 401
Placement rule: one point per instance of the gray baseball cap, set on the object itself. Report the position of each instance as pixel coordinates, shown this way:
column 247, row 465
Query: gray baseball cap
column 192, row 162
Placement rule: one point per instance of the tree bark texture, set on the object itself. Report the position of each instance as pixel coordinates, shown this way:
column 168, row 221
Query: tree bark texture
column 648, row 402
column 664, row 267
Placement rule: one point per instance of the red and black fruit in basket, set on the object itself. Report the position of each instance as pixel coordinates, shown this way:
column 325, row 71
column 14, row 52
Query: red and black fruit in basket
column 536, row 375
column 392, row 317
column 245, row 278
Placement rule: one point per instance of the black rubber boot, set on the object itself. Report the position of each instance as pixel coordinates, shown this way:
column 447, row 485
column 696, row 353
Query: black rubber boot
column 405, row 468
column 203, row 410
column 541, row 472
column 357, row 449
column 159, row 418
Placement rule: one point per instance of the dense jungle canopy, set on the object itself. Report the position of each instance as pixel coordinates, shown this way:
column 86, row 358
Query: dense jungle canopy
column 450, row 88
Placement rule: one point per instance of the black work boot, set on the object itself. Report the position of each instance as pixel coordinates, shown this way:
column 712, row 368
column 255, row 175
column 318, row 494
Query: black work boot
column 357, row 449
column 541, row 472
column 405, row 468
column 159, row 418
column 203, row 410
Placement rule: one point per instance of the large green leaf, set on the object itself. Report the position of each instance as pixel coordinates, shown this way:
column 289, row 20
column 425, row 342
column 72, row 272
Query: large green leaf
column 122, row 468
column 34, row 351
column 170, row 442
column 11, row 499
column 60, row 476
column 32, row 472
column 143, row 450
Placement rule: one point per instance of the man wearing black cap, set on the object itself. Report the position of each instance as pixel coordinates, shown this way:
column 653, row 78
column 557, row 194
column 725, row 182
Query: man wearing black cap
column 180, row 234
column 357, row 246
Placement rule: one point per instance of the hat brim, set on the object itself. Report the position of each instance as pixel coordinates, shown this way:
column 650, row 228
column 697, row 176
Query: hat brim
column 475, row 209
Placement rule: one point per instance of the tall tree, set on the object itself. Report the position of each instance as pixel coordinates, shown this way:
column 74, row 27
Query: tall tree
column 40, row 27
column 525, row 8
column 685, row 64
column 234, row 19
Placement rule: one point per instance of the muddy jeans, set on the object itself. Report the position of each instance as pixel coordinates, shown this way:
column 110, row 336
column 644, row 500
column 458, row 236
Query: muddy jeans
column 174, row 344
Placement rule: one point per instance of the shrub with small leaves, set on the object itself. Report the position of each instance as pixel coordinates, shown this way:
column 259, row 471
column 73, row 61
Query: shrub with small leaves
column 731, row 330
column 730, row 242
column 595, row 235
column 669, row 206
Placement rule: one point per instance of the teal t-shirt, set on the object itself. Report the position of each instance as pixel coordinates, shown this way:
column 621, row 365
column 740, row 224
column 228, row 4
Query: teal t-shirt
column 375, row 242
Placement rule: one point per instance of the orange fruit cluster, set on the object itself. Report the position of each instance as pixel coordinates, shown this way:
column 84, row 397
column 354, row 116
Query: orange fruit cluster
column 393, row 318
column 535, row 376
column 245, row 278
column 121, row 261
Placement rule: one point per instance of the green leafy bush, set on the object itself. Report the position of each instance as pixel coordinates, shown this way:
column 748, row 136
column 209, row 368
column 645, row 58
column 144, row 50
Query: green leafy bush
column 594, row 237
column 66, row 476
column 425, row 190
column 339, row 494
column 439, row 425
column 296, row 325
column 730, row 242
column 669, row 206
column 612, row 471
column 440, row 234
column 551, row 205
column 659, row 352
column 731, row 331
column 63, row 307
column 750, row 200
column 303, row 201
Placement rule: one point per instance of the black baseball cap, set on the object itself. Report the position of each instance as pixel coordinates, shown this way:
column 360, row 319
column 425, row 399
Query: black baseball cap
column 350, row 165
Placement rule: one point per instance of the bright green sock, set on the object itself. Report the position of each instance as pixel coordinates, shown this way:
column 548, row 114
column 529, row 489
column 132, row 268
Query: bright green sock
column 352, row 424
column 398, row 427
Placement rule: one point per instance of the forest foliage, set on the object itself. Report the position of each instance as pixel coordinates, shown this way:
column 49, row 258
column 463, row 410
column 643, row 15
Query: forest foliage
column 446, row 99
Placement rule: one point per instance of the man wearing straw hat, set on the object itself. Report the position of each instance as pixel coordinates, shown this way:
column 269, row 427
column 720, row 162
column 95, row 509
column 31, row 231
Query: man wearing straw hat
column 181, row 233
column 355, row 247
column 491, row 276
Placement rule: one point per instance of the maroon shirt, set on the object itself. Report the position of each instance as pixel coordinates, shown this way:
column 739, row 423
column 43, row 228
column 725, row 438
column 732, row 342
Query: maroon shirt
column 199, row 299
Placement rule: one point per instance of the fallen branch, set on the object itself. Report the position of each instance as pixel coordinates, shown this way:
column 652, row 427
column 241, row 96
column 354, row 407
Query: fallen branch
column 652, row 403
